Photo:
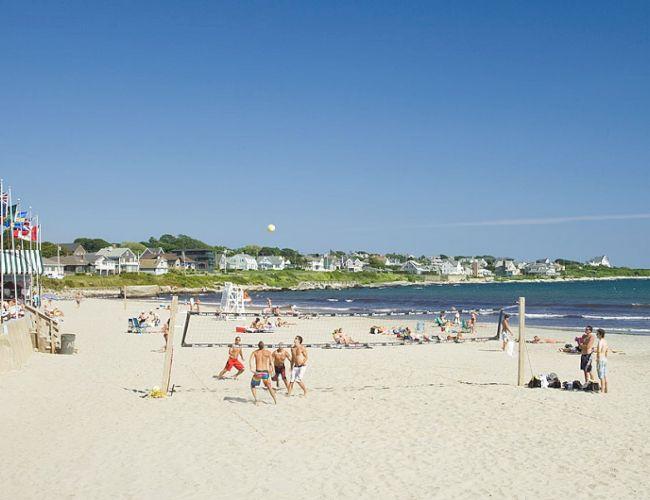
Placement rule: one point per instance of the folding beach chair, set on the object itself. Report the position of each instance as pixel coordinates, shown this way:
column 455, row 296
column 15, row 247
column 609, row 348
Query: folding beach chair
column 135, row 326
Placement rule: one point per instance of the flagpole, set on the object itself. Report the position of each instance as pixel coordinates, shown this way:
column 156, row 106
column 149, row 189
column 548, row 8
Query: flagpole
column 39, row 247
column 13, row 252
column 3, row 214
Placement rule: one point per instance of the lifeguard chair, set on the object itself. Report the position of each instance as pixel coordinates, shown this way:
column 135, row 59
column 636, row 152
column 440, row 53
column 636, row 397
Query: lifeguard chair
column 232, row 299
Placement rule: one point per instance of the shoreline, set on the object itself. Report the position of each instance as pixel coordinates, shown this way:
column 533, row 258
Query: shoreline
column 150, row 291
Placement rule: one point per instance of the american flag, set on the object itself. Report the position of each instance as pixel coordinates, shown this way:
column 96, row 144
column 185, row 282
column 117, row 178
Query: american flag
column 5, row 198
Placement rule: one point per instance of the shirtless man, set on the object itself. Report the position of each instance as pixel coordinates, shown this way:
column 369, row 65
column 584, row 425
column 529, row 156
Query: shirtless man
column 279, row 357
column 234, row 353
column 263, row 371
column 586, row 351
column 299, row 359
column 506, row 332
column 602, row 351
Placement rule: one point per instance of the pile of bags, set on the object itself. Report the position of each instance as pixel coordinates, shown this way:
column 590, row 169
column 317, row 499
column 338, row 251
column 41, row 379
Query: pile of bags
column 551, row 380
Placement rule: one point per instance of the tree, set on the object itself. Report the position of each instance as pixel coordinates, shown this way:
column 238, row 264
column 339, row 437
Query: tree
column 92, row 245
column 49, row 249
column 376, row 262
column 270, row 251
column 252, row 250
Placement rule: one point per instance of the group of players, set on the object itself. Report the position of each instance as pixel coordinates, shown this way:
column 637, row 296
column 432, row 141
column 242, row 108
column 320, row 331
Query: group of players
column 269, row 366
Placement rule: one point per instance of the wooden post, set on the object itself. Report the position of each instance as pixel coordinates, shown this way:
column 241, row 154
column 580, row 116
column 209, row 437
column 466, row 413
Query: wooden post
column 522, row 339
column 169, row 350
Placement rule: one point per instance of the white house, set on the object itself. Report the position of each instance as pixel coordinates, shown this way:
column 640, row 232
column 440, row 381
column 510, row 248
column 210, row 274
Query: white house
column 354, row 265
column 602, row 260
column 241, row 262
column 126, row 261
column 506, row 268
column 158, row 266
column 271, row 262
column 100, row 264
column 314, row 263
column 392, row 262
column 413, row 267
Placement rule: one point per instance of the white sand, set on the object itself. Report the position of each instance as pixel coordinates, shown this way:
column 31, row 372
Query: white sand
column 419, row 421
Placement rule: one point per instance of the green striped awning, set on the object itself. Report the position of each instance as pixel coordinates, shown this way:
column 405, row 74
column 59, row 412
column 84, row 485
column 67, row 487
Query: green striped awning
column 21, row 262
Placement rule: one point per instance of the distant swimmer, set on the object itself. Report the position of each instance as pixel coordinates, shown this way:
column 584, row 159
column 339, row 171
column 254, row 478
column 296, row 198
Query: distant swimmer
column 234, row 353
column 262, row 372
column 280, row 355
column 299, row 359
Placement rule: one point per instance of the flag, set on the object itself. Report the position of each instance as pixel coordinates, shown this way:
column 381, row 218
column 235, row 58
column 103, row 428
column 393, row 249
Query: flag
column 20, row 217
column 34, row 233
column 8, row 214
column 5, row 200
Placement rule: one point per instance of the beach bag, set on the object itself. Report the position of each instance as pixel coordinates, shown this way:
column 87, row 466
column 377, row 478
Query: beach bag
column 553, row 381
column 577, row 385
column 535, row 382
column 567, row 386
column 592, row 387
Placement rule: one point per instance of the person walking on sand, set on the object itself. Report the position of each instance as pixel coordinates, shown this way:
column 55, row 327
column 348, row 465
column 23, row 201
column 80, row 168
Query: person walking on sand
column 280, row 355
column 586, row 354
column 234, row 353
column 299, row 359
column 262, row 372
column 602, row 351
column 77, row 299
column 472, row 322
column 506, row 332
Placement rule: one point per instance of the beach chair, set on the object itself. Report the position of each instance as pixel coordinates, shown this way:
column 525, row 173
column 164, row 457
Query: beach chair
column 465, row 327
column 135, row 326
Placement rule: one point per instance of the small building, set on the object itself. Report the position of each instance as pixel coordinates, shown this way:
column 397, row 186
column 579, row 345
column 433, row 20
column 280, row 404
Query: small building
column 100, row 264
column 314, row 263
column 52, row 268
column 541, row 269
column 331, row 263
column 271, row 263
column 507, row 268
column 241, row 262
column 73, row 249
column 203, row 259
column 75, row 264
column 157, row 266
column 125, row 260
column 413, row 267
column 600, row 261
column 354, row 265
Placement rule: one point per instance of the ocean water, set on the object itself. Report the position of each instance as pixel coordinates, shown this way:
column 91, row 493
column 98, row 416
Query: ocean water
column 618, row 306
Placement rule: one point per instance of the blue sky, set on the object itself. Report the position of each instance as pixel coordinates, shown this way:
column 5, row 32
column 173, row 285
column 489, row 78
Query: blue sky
column 506, row 128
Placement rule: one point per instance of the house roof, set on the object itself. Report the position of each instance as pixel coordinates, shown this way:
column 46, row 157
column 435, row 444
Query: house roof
column 150, row 263
column 50, row 262
column 71, row 246
column 273, row 259
column 114, row 253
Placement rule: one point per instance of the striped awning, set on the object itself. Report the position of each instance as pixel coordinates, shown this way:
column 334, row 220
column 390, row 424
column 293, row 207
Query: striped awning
column 21, row 262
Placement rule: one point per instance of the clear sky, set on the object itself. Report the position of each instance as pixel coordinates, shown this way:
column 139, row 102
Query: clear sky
column 464, row 127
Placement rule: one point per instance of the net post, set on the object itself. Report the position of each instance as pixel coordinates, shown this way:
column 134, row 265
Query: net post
column 522, row 340
column 169, row 348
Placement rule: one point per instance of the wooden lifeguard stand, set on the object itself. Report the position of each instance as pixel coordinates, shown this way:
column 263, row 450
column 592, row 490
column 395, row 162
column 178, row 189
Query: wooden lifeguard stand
column 232, row 299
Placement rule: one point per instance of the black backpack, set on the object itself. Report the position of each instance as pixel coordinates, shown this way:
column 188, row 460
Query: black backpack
column 534, row 382
column 592, row 387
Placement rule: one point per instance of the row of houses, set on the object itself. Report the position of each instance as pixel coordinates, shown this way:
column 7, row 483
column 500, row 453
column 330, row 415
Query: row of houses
column 117, row 260
column 323, row 263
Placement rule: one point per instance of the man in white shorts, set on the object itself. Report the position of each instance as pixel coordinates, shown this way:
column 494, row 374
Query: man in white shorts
column 299, row 358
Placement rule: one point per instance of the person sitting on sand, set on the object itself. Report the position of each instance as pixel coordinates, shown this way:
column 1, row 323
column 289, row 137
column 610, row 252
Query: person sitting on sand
column 442, row 322
column 257, row 324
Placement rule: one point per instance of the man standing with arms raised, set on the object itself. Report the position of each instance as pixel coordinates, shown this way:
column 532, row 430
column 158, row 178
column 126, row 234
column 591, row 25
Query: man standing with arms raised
column 299, row 358
column 263, row 370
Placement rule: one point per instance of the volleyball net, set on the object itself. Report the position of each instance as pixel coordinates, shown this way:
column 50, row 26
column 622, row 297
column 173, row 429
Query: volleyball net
column 334, row 330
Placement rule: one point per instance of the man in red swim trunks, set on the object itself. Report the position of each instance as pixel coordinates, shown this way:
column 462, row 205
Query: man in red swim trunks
column 234, row 352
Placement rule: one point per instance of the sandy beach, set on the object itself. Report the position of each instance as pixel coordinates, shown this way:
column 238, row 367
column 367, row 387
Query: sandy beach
column 419, row 421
